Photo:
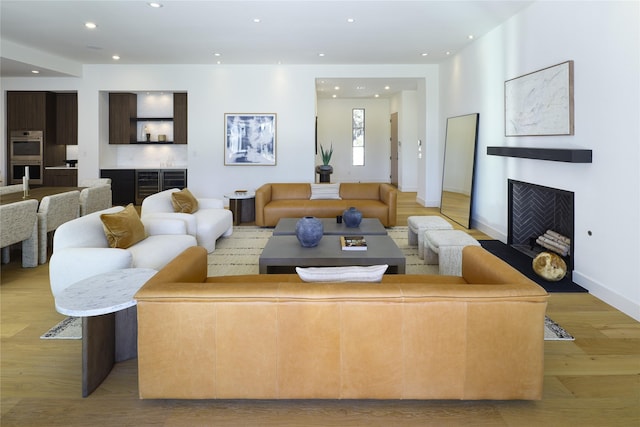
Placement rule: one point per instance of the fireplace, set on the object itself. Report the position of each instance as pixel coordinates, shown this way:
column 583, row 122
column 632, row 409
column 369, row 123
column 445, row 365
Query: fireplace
column 534, row 209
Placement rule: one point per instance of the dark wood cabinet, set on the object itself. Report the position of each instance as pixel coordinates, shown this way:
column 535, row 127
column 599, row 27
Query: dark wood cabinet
column 123, row 120
column 123, row 185
column 180, row 118
column 67, row 118
column 61, row 177
column 122, row 109
column 27, row 110
column 36, row 110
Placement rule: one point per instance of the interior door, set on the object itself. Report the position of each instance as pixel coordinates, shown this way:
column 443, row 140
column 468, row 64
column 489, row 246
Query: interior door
column 394, row 149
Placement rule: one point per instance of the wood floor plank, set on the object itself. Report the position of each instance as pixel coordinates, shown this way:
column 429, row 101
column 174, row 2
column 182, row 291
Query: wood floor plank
column 592, row 381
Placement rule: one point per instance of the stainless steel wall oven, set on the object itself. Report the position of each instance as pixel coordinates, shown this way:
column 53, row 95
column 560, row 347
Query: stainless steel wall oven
column 26, row 150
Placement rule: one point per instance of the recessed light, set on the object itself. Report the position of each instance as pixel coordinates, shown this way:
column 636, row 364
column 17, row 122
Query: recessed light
column 334, row 96
column 155, row 5
column 115, row 57
column 424, row 54
column 216, row 54
column 351, row 20
column 35, row 72
column 448, row 53
column 376, row 95
column 336, row 87
column 90, row 25
column 256, row 20
column 470, row 36
column 321, row 54
column 387, row 88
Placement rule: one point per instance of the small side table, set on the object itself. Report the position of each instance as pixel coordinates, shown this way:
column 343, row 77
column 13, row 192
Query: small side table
column 242, row 206
column 109, row 320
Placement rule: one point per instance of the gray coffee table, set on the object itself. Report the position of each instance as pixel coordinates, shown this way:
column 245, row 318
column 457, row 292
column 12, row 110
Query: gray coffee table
column 283, row 253
column 287, row 226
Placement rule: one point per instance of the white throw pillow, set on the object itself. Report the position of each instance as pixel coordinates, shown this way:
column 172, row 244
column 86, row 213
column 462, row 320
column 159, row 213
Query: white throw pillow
column 325, row 191
column 371, row 273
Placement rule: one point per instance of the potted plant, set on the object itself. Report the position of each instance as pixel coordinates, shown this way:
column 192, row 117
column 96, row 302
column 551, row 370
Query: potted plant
column 326, row 156
column 325, row 169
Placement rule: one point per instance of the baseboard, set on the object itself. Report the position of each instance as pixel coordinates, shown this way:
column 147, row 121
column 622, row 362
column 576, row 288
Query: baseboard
column 610, row 297
column 488, row 230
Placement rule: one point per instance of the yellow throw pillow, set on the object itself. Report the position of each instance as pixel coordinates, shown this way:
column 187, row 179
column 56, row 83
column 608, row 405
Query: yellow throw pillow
column 124, row 228
column 183, row 201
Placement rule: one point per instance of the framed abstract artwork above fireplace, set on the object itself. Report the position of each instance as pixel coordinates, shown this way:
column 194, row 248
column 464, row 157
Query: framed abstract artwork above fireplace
column 540, row 103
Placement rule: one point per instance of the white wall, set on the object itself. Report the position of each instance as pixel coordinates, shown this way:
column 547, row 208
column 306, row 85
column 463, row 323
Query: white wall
column 334, row 129
column 603, row 41
column 405, row 103
column 288, row 91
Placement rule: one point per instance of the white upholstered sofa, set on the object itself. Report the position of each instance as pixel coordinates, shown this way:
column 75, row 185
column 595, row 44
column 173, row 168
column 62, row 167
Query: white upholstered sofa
column 207, row 224
column 81, row 249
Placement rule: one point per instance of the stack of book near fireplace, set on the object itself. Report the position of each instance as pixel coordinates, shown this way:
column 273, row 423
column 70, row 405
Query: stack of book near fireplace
column 555, row 242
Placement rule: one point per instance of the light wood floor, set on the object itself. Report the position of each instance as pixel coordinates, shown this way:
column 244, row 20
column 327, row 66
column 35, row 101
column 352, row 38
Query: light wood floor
column 592, row 381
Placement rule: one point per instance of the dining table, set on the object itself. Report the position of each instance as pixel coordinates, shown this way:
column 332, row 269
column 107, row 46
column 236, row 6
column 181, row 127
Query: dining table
column 35, row 193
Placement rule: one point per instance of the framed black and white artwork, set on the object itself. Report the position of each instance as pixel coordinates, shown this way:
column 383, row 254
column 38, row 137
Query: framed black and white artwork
column 540, row 103
column 250, row 139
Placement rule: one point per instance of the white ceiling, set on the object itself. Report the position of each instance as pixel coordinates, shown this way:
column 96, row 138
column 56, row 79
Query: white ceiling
column 39, row 34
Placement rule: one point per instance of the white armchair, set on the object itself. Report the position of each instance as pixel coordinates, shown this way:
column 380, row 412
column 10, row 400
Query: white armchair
column 81, row 249
column 210, row 222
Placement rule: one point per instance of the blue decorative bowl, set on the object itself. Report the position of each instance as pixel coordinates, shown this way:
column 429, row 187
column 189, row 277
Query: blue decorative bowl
column 352, row 217
column 309, row 231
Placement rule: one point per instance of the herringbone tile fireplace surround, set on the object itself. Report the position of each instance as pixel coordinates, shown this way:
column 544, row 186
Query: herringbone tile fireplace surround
column 534, row 209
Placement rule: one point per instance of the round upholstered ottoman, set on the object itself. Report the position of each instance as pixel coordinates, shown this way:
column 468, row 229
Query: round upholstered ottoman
column 444, row 247
column 419, row 224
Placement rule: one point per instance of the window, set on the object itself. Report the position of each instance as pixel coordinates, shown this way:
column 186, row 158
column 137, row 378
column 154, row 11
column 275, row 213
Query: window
column 357, row 142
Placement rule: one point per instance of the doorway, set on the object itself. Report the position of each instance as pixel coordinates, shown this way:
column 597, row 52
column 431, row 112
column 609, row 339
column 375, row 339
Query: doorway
column 393, row 177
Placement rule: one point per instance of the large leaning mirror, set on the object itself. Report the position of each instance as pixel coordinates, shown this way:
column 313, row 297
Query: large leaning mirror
column 459, row 165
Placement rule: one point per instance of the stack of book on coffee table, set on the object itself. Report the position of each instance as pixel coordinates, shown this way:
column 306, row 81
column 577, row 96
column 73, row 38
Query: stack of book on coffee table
column 353, row 243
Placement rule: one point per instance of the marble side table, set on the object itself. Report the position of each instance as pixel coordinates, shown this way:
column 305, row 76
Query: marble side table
column 242, row 206
column 109, row 320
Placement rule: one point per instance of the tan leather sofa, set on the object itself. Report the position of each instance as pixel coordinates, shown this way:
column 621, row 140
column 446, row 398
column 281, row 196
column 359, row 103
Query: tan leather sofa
column 479, row 336
column 291, row 200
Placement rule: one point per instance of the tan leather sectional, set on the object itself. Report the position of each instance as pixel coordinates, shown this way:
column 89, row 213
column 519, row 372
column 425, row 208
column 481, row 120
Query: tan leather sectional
column 291, row 200
column 479, row 336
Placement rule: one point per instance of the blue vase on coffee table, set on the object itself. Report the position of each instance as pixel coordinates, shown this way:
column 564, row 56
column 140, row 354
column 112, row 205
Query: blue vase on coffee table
column 309, row 231
column 352, row 217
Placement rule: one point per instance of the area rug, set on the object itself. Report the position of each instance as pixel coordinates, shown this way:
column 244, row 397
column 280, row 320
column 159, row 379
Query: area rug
column 239, row 253
column 555, row 332
column 68, row 329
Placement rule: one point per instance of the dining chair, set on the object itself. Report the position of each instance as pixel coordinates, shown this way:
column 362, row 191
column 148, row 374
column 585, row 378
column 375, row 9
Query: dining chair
column 18, row 223
column 54, row 211
column 95, row 182
column 11, row 188
column 93, row 199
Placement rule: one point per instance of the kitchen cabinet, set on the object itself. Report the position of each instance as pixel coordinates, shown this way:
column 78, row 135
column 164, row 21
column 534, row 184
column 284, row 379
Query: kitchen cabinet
column 30, row 110
column 61, row 177
column 123, row 185
column 67, row 118
column 179, row 118
column 124, row 121
column 35, row 110
column 133, row 185
column 122, row 108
